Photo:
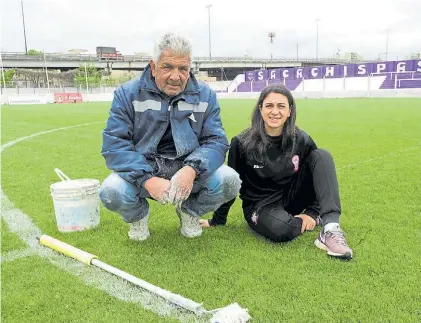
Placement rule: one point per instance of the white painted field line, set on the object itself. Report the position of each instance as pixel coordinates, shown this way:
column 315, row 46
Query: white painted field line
column 17, row 254
column 379, row 157
column 13, row 142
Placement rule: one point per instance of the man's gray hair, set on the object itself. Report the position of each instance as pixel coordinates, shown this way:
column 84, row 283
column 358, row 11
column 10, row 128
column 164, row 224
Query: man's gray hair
column 180, row 45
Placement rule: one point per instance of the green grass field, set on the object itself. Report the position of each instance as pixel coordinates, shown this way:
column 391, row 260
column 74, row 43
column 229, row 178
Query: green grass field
column 376, row 147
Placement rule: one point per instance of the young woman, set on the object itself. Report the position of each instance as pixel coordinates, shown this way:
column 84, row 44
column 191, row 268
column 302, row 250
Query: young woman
column 288, row 184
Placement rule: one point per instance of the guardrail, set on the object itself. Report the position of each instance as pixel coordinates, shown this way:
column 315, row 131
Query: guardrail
column 138, row 58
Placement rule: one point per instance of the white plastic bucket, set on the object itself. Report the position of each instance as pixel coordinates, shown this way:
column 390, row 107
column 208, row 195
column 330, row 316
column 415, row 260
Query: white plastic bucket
column 76, row 203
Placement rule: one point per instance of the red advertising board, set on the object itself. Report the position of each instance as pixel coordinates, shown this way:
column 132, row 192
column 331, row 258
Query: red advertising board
column 68, row 98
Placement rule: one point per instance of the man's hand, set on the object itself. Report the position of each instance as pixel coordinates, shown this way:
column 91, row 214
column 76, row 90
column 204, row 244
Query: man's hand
column 308, row 222
column 181, row 185
column 158, row 188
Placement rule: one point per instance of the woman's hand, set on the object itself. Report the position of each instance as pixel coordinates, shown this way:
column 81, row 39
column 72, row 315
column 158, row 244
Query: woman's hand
column 204, row 223
column 308, row 222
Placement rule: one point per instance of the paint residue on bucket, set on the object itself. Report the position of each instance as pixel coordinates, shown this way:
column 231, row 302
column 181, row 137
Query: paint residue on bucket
column 76, row 203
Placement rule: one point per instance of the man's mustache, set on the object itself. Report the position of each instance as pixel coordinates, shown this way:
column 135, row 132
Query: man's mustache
column 174, row 83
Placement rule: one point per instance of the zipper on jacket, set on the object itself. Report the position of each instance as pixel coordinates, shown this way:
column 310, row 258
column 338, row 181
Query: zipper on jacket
column 169, row 121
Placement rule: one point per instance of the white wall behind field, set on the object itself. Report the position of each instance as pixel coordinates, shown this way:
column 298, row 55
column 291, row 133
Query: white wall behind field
column 314, row 94
column 341, row 84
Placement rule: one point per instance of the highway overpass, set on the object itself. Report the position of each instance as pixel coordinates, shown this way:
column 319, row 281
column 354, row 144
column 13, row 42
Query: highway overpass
column 214, row 66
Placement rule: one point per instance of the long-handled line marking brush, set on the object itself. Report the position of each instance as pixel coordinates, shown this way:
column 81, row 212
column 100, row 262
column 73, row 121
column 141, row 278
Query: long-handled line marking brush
column 232, row 313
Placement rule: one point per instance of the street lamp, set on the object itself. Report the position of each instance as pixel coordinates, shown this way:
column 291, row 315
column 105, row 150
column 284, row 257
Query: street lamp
column 2, row 75
column 209, row 19
column 271, row 35
column 46, row 73
column 24, row 31
column 317, row 39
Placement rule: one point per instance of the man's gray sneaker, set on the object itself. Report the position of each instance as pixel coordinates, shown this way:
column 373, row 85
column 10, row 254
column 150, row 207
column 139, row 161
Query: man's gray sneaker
column 190, row 226
column 139, row 230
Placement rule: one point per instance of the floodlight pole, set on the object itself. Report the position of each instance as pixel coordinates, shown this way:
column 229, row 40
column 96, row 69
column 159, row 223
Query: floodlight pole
column 2, row 73
column 46, row 74
column 317, row 39
column 387, row 42
column 209, row 31
column 86, row 80
column 271, row 35
column 24, row 29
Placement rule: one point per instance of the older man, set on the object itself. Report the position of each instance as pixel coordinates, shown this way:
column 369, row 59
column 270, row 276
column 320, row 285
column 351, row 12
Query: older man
column 164, row 140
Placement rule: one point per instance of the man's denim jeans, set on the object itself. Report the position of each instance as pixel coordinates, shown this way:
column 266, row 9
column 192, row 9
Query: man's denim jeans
column 207, row 195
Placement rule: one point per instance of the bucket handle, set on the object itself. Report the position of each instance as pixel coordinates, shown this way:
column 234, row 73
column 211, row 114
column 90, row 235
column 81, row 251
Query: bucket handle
column 61, row 174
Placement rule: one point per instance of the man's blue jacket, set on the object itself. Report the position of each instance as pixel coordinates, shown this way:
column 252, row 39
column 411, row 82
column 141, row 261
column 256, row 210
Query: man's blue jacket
column 139, row 116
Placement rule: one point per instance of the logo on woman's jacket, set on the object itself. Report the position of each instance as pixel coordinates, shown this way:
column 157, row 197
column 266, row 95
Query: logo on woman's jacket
column 295, row 161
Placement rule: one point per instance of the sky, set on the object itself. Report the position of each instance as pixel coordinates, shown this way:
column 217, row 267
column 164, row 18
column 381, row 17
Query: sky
column 368, row 27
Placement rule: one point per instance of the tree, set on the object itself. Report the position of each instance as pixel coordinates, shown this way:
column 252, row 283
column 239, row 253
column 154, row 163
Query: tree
column 123, row 78
column 8, row 78
column 414, row 56
column 34, row 52
column 89, row 72
column 353, row 56
column 116, row 80
column 67, row 78
column 109, row 81
column 38, row 77
column 62, row 79
column 35, row 77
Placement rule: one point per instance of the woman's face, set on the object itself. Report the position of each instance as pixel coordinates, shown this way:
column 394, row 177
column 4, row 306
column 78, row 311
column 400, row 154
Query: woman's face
column 275, row 111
